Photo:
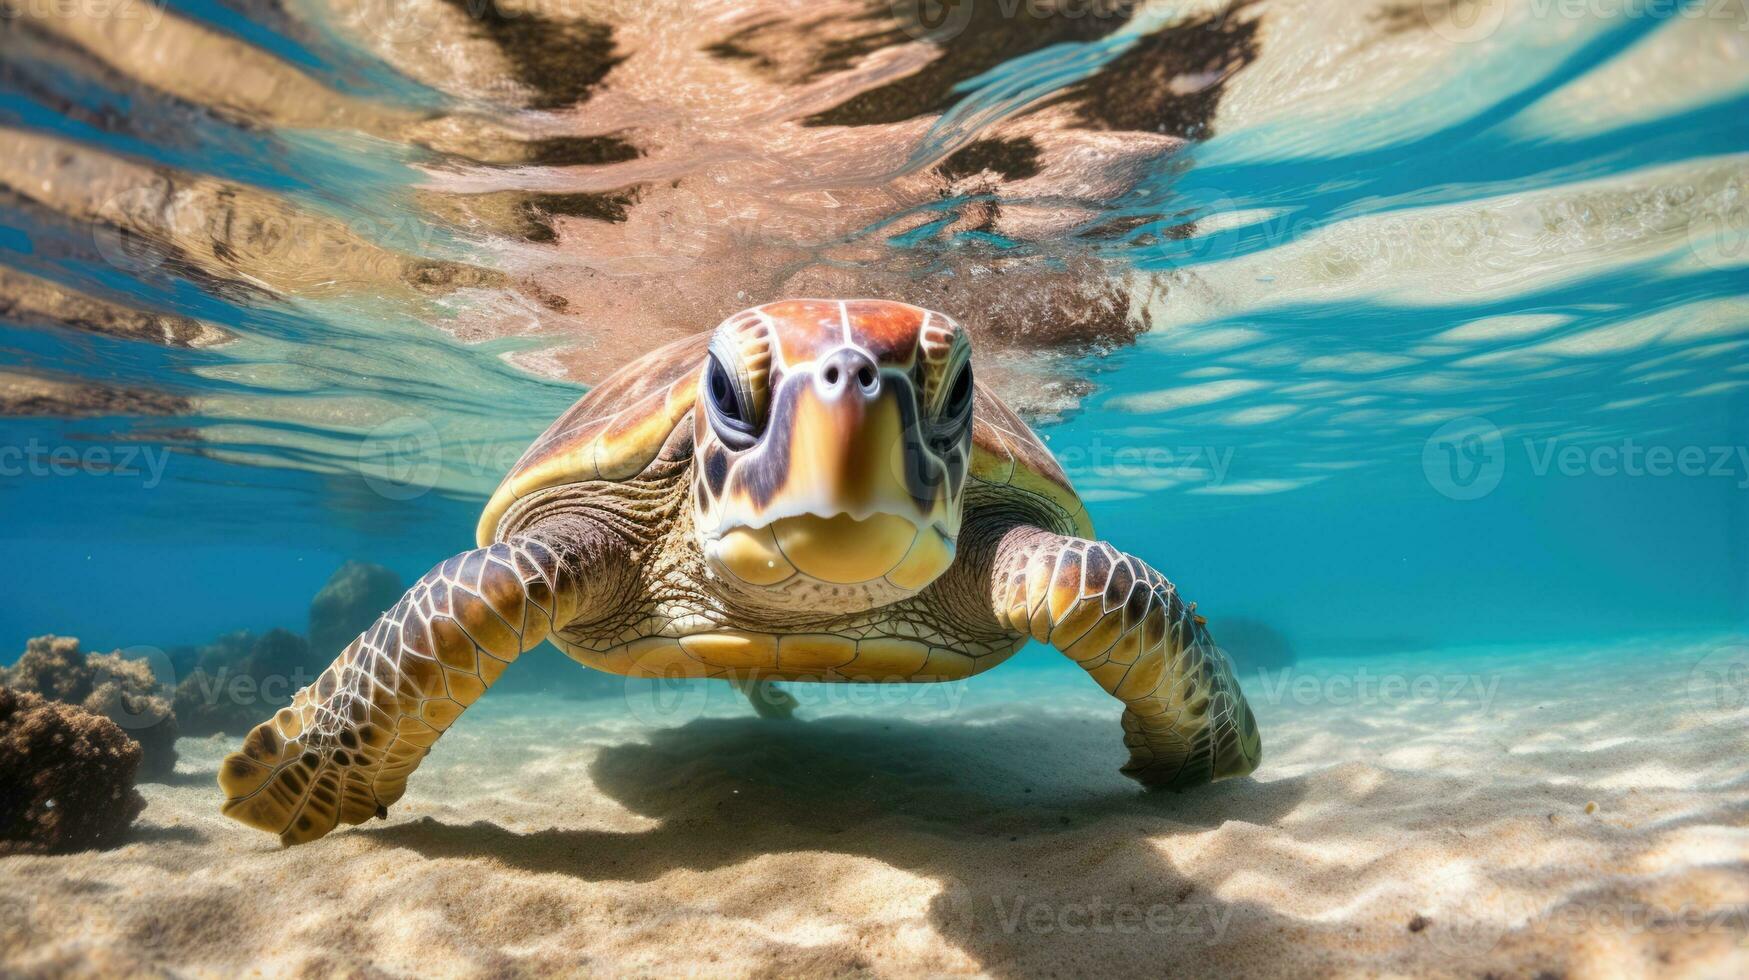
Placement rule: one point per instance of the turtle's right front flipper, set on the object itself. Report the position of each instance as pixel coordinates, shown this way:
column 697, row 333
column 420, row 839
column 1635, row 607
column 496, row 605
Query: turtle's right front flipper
column 1185, row 719
column 343, row 749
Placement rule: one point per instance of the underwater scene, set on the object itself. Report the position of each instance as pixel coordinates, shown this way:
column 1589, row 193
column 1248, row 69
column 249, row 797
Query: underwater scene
column 1339, row 565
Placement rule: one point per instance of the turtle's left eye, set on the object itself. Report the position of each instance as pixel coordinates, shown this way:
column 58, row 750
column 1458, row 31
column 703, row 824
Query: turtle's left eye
column 729, row 411
column 723, row 394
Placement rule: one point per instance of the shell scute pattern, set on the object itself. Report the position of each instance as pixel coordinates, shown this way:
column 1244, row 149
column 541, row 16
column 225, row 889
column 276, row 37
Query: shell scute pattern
column 1006, row 452
column 826, row 317
column 889, row 331
column 612, row 433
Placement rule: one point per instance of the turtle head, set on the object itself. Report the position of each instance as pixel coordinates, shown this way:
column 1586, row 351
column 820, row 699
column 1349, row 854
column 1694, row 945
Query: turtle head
column 832, row 442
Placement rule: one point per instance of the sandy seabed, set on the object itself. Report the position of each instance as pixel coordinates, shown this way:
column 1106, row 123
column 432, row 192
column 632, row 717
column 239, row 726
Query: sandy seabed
column 1507, row 813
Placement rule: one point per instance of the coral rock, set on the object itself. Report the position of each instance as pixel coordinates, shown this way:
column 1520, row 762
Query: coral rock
column 122, row 690
column 242, row 678
column 356, row 594
column 66, row 777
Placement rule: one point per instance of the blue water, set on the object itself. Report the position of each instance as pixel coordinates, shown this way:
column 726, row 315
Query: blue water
column 1278, row 452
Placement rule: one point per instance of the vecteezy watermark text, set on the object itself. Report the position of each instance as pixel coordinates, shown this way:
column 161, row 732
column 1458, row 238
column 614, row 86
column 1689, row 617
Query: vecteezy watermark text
column 1100, row 917
column 1724, row 10
column 1466, row 21
column 1185, row 463
column 231, row 687
column 1367, row 688
column 148, row 12
column 1629, row 458
column 37, row 458
column 943, row 20
column 1467, row 458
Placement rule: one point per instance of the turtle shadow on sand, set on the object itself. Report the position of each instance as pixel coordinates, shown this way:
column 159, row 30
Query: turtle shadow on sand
column 1047, row 859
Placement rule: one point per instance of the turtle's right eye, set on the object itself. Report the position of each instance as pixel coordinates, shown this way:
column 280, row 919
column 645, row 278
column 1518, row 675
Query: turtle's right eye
column 729, row 413
column 959, row 398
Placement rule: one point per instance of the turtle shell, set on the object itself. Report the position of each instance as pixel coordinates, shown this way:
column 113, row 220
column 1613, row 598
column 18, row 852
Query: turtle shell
column 616, row 430
column 612, row 433
column 1006, row 452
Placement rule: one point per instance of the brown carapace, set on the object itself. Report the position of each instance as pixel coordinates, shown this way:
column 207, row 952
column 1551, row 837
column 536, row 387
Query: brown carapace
column 816, row 490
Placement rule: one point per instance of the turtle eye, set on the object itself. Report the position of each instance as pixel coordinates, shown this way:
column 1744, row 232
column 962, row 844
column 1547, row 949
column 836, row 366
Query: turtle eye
column 955, row 418
column 729, row 413
column 723, row 396
column 959, row 397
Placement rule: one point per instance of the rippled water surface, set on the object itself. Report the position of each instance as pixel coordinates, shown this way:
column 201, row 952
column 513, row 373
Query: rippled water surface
column 1373, row 325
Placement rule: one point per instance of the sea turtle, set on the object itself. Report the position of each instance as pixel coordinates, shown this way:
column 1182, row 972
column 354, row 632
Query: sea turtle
column 816, row 490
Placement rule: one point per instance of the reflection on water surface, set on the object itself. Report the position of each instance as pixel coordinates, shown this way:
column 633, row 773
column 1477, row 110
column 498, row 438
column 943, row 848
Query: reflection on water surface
column 1242, row 262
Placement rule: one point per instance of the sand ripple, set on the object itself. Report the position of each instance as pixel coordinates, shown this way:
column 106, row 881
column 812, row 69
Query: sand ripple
column 982, row 829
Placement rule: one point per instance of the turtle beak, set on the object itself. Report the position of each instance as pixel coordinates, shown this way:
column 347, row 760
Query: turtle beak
column 848, row 431
column 861, row 498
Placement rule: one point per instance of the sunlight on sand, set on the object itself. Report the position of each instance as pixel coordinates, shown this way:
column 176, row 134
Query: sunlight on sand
column 1505, row 812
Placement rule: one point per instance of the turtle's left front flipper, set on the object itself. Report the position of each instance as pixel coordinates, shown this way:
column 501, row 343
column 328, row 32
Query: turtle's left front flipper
column 1185, row 720
column 342, row 751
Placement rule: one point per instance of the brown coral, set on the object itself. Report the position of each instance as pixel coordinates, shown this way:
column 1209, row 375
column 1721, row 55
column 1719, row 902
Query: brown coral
column 66, row 777
column 122, row 690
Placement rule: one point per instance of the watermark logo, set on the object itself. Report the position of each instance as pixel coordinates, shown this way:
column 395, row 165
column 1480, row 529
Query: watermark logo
column 933, row 20
column 1464, row 21
column 1205, row 466
column 1205, row 225
column 1719, row 235
column 1465, row 458
column 1718, row 686
column 126, row 230
column 667, row 698
column 135, row 710
column 402, row 458
column 403, row 23
column 673, row 233
column 1111, row 463
column 1631, row 459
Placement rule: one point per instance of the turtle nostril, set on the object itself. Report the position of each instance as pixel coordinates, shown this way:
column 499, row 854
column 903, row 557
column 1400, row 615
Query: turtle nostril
column 849, row 372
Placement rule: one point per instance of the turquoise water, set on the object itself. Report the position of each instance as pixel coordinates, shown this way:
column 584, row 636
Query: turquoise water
column 1407, row 336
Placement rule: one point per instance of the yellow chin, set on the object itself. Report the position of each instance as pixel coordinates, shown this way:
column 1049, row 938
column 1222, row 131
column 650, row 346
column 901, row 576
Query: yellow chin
column 839, row 550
